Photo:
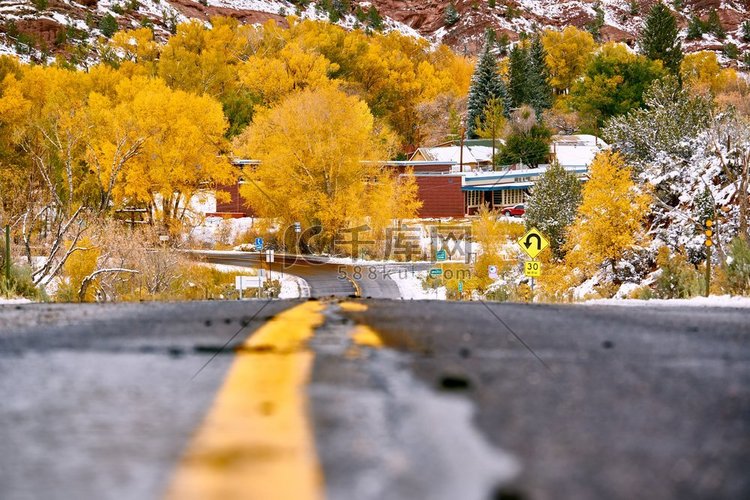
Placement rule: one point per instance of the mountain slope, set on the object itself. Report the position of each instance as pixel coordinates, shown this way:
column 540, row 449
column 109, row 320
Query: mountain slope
column 34, row 28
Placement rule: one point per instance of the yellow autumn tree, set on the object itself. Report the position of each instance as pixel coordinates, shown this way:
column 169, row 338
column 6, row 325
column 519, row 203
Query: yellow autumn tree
column 203, row 59
column 702, row 71
column 568, row 54
column 611, row 216
column 181, row 141
column 78, row 267
column 319, row 152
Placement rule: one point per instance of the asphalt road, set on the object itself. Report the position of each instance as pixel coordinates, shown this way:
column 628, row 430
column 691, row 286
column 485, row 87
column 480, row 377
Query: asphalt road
column 325, row 279
column 633, row 402
column 407, row 399
column 98, row 401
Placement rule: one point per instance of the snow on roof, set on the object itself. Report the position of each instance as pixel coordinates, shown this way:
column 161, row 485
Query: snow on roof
column 577, row 149
column 449, row 154
column 483, row 153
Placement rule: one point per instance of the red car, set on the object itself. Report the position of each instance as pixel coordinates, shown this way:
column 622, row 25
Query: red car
column 514, row 211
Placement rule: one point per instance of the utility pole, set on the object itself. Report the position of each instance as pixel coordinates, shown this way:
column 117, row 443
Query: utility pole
column 709, row 243
column 461, row 152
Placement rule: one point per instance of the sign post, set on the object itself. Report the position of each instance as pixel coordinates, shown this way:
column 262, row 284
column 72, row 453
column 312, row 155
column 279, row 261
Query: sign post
column 533, row 243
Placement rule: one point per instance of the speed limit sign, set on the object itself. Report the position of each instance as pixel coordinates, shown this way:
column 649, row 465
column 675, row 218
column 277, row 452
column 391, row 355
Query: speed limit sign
column 532, row 269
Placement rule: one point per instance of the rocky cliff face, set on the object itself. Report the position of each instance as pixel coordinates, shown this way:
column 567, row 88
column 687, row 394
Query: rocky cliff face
column 620, row 19
column 47, row 24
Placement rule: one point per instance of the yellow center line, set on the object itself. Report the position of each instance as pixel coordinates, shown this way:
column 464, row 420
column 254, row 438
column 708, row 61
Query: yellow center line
column 256, row 442
column 362, row 335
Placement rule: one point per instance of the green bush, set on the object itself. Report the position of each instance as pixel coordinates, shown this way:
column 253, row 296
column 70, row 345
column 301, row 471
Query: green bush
column 21, row 284
column 108, row 25
column 679, row 279
column 738, row 268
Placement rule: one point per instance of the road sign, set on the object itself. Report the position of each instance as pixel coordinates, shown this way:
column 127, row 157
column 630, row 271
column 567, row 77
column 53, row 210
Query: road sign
column 245, row 282
column 532, row 268
column 492, row 272
column 460, row 287
column 435, row 272
column 533, row 243
column 258, row 244
column 297, row 227
column 270, row 257
column 441, row 255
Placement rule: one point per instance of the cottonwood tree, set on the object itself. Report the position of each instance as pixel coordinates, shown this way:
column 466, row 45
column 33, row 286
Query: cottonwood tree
column 319, row 152
column 611, row 215
column 614, row 83
column 568, row 54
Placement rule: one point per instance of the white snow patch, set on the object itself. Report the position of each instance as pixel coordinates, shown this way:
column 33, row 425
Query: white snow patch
column 292, row 287
column 410, row 285
column 4, row 301
column 712, row 301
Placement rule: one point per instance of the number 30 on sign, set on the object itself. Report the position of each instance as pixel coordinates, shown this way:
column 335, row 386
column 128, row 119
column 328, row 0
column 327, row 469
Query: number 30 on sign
column 532, row 269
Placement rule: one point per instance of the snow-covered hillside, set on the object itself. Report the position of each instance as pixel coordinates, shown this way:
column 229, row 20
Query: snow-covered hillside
column 38, row 28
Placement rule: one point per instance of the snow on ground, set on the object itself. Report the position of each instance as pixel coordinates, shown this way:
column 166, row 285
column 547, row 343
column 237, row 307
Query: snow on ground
column 4, row 301
column 222, row 231
column 410, row 286
column 292, row 287
column 712, row 301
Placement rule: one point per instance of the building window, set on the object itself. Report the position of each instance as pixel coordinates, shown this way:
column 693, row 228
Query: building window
column 513, row 197
column 474, row 198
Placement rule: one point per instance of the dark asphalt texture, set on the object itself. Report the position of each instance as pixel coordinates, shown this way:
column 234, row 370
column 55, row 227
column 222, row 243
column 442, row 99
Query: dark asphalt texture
column 98, row 401
column 634, row 402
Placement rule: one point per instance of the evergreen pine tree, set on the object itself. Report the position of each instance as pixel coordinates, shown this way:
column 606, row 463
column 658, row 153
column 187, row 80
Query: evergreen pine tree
column 540, row 90
column 485, row 84
column 108, row 25
column 694, row 28
column 451, row 15
column 659, row 38
column 713, row 25
column 518, row 77
column 746, row 31
column 554, row 204
column 373, row 19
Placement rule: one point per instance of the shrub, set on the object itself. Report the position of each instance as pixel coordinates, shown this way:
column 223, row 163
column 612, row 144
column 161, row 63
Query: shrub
column 679, row 279
column 738, row 268
column 21, row 284
column 108, row 25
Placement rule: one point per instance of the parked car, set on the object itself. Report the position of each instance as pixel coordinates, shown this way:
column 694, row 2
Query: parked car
column 514, row 211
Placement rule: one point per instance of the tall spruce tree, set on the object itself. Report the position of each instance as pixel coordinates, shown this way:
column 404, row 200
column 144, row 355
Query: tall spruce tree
column 486, row 84
column 518, row 77
column 540, row 90
column 554, row 204
column 659, row 38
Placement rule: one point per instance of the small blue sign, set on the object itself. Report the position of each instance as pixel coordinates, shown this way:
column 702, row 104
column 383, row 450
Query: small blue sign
column 259, row 244
column 460, row 287
column 436, row 272
column 441, row 255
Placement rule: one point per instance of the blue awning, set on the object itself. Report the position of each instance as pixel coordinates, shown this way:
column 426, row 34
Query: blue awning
column 499, row 187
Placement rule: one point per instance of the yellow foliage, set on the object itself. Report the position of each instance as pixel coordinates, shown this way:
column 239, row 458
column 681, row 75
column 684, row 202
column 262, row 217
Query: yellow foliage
column 320, row 169
column 702, row 71
column 79, row 265
column 610, row 218
column 568, row 53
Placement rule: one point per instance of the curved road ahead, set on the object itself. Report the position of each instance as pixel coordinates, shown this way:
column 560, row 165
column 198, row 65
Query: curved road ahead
column 326, row 279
